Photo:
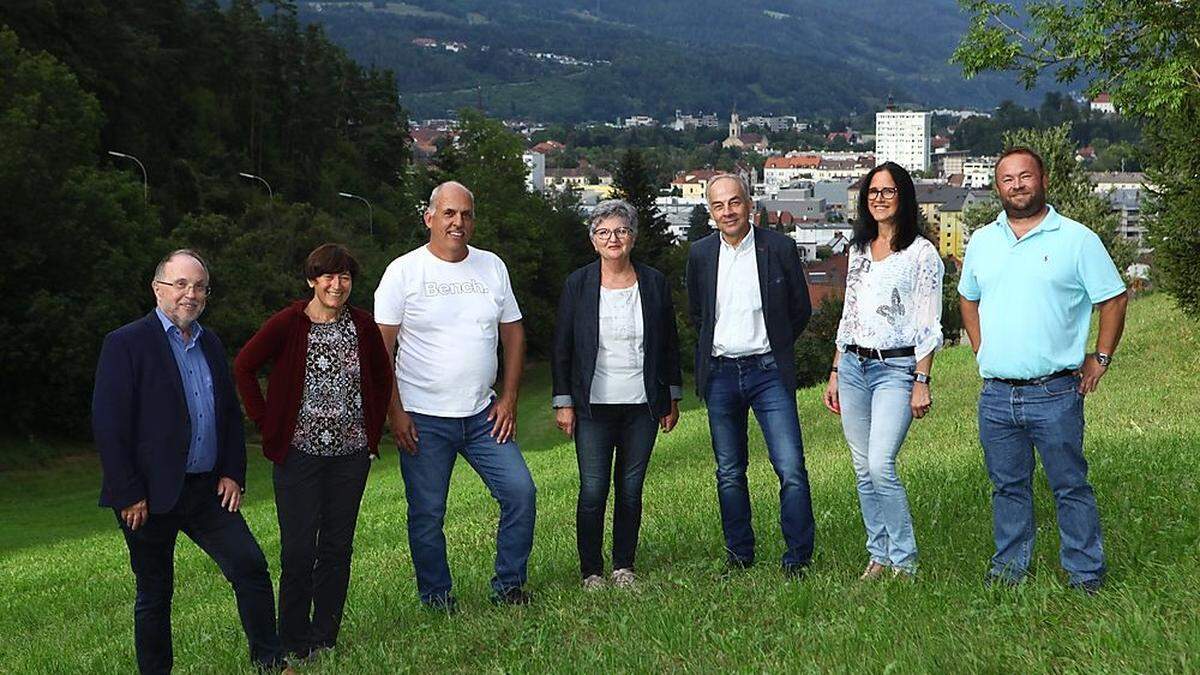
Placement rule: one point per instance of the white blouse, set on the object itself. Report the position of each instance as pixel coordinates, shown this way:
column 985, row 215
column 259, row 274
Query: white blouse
column 894, row 302
column 620, row 358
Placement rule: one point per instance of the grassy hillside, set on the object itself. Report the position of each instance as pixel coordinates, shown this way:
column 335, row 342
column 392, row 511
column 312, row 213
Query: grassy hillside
column 68, row 595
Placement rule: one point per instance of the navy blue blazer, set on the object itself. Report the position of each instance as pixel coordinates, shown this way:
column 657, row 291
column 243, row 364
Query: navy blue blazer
column 577, row 340
column 140, row 420
column 786, row 307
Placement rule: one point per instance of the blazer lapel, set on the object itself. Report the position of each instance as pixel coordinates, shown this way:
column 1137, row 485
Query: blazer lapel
column 166, row 357
column 589, row 308
column 760, row 254
column 650, row 306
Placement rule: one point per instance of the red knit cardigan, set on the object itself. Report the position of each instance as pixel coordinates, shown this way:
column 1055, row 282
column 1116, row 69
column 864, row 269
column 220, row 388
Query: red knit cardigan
column 283, row 341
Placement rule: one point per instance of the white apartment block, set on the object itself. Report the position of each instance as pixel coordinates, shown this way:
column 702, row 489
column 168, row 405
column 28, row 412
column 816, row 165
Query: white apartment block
column 978, row 172
column 903, row 138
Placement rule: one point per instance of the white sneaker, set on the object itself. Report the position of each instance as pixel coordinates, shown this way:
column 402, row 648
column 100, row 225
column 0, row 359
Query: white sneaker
column 593, row 582
column 623, row 578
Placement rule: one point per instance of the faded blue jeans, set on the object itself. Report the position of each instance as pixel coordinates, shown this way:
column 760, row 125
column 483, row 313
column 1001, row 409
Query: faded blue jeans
column 876, row 412
column 1012, row 422
column 736, row 386
column 427, row 483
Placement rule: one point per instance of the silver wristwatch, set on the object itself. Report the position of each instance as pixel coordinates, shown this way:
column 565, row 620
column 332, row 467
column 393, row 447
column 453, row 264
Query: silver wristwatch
column 1103, row 359
column 921, row 377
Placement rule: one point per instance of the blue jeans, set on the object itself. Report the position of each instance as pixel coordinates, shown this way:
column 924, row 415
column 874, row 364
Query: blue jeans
column 628, row 431
column 1012, row 422
column 876, row 412
column 735, row 386
column 427, row 482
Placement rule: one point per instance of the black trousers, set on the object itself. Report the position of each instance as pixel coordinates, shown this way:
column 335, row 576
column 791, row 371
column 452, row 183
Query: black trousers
column 317, row 500
column 628, row 432
column 226, row 539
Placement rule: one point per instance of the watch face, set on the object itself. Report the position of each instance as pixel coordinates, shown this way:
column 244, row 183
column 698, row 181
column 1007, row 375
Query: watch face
column 1103, row 359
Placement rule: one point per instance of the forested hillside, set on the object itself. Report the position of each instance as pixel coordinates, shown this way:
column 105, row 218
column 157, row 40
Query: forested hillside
column 812, row 57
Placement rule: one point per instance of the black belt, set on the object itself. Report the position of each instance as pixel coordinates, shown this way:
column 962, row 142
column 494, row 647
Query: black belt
column 1035, row 380
column 881, row 354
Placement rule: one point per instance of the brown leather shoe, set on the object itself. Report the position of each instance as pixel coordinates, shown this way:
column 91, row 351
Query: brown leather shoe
column 874, row 571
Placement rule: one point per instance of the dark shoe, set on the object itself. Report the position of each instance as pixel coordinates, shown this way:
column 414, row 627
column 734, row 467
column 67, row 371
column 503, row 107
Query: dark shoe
column 512, row 596
column 1089, row 587
column 733, row 564
column 443, row 604
column 795, row 572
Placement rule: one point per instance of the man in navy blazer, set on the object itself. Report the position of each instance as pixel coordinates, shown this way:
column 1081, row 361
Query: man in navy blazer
column 168, row 428
column 748, row 302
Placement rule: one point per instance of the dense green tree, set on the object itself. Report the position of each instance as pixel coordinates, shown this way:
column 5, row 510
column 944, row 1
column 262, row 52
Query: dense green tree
column 698, row 226
column 1147, row 56
column 635, row 183
column 815, row 347
column 81, row 243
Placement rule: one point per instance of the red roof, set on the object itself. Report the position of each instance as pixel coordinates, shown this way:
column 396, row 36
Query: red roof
column 1102, row 97
column 547, row 147
column 798, row 162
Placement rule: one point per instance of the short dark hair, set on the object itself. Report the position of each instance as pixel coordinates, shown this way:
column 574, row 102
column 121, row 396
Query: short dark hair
column 908, row 223
column 330, row 259
column 1022, row 150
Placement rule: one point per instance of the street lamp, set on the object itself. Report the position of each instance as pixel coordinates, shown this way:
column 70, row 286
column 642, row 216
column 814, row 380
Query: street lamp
column 251, row 176
column 370, row 210
column 145, row 178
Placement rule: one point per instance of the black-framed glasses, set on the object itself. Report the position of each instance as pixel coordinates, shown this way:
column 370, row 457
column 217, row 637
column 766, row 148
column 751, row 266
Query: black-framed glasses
column 181, row 286
column 885, row 193
column 604, row 234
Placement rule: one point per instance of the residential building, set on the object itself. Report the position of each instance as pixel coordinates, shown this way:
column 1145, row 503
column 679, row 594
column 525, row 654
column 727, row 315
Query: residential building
column 978, row 172
column 639, row 121
column 693, row 184
column 827, row 278
column 690, row 121
column 547, row 147
column 535, row 171
column 1103, row 104
column 776, row 123
column 779, row 171
column 903, row 138
column 585, row 175
column 948, row 162
column 1105, row 181
column 1127, row 203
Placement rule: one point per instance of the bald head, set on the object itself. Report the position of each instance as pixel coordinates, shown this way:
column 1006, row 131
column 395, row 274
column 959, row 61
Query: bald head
column 449, row 187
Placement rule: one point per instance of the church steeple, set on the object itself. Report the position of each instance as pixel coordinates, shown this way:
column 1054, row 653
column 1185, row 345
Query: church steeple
column 735, row 126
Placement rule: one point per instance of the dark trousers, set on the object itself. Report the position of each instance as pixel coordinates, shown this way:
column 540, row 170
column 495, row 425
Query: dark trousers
column 226, row 539
column 628, row 431
column 317, row 500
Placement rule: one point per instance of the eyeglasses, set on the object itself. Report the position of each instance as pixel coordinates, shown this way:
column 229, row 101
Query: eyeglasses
column 604, row 234
column 886, row 193
column 181, row 286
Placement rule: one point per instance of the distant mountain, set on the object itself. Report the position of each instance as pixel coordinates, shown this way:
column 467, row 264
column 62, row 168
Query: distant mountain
column 576, row 60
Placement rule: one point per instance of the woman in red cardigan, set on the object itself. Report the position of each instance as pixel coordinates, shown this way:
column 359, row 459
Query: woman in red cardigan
column 327, row 397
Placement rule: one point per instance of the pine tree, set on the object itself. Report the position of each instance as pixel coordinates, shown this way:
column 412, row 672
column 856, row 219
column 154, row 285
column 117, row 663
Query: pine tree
column 634, row 182
column 698, row 227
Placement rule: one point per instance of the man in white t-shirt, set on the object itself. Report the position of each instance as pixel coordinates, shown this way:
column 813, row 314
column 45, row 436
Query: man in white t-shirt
column 442, row 308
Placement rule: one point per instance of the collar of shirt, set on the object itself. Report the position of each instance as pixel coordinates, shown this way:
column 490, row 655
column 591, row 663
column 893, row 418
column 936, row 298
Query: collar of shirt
column 1051, row 221
column 173, row 331
column 746, row 243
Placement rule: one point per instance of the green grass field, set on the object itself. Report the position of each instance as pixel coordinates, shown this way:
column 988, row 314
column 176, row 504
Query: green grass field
column 67, row 598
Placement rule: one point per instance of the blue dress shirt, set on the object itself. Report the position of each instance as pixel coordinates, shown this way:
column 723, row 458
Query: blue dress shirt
column 198, row 391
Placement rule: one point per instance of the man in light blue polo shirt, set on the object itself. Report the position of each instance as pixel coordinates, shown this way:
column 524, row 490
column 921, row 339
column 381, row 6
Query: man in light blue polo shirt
column 1029, row 283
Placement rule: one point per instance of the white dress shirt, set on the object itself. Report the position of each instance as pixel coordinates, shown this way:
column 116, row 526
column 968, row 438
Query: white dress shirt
column 741, row 328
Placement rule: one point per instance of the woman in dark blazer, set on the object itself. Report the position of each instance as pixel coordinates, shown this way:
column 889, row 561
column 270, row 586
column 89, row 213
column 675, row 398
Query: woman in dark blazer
column 327, row 397
column 616, row 383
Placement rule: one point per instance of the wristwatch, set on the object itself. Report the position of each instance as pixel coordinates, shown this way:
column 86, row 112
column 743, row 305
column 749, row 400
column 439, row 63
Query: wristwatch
column 922, row 377
column 1103, row 359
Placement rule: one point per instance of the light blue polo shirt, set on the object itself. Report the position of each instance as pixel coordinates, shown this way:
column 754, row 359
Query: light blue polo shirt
column 1035, row 294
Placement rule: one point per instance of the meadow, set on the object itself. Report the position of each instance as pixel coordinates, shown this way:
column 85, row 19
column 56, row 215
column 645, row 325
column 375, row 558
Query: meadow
column 66, row 603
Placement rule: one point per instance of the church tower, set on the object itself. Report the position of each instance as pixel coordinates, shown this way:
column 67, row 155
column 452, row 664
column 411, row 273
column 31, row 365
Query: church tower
column 735, row 126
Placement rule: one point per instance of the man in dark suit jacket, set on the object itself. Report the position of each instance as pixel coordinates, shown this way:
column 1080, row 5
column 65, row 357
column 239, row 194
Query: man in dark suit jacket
column 168, row 429
column 748, row 303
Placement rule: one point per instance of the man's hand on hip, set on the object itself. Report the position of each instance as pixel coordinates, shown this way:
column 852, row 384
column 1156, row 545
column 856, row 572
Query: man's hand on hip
column 1090, row 374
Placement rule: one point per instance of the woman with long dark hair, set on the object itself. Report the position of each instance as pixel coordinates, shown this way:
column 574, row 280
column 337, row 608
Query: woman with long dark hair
column 890, row 329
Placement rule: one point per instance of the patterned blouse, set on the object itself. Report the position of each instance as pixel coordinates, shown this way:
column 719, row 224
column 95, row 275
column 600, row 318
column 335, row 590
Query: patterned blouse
column 894, row 302
column 330, row 422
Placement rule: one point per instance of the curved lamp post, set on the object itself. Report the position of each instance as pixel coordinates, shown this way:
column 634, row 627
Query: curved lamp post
column 145, row 177
column 250, row 176
column 370, row 210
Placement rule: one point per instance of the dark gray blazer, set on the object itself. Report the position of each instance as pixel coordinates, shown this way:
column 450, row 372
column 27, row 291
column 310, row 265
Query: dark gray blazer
column 577, row 340
column 786, row 307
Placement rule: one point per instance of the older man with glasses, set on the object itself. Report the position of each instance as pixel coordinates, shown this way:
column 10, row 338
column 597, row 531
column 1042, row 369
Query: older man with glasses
column 168, row 428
